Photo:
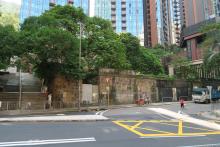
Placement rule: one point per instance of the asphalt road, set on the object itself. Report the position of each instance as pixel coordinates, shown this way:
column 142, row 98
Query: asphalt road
column 129, row 127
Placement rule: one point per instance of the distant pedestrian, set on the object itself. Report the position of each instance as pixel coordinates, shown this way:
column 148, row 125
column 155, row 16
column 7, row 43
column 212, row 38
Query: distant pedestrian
column 50, row 99
column 182, row 103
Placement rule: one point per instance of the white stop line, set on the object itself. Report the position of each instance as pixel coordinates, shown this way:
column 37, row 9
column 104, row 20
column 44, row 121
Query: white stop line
column 44, row 142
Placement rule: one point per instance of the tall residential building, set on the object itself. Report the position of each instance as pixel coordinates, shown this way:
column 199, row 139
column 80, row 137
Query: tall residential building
column 177, row 19
column 101, row 8
column 127, row 16
column 159, row 23
column 150, row 23
column 198, row 10
column 166, row 22
column 37, row 7
column 216, row 5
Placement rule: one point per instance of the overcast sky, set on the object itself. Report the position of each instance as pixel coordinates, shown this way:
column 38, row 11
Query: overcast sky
column 11, row 1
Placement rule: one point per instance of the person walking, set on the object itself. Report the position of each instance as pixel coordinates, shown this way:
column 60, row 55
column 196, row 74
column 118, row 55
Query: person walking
column 182, row 103
column 50, row 100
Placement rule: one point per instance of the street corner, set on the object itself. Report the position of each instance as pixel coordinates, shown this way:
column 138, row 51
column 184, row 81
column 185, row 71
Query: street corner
column 164, row 128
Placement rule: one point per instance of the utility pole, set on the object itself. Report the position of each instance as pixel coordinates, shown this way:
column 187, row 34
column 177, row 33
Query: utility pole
column 20, row 88
column 80, row 50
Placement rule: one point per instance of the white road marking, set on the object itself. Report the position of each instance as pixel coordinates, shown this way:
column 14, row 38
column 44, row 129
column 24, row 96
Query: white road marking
column 172, row 136
column 97, row 113
column 44, row 142
column 203, row 145
column 187, row 118
column 168, row 118
column 101, row 112
column 60, row 114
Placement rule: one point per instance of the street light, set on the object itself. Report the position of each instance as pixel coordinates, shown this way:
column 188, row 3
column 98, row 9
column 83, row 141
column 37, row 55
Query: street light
column 80, row 48
column 80, row 52
column 20, row 88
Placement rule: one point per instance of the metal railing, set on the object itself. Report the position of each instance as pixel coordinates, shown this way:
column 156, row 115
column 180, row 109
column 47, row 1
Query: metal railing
column 9, row 105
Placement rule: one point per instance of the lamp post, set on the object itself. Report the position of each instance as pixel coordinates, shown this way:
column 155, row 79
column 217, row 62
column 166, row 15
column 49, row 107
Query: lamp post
column 80, row 54
column 20, row 88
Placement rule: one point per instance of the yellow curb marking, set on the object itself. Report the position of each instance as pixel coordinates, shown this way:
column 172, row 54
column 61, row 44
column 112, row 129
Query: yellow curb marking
column 195, row 128
column 132, row 128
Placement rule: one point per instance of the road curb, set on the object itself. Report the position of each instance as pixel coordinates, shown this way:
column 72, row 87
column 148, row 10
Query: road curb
column 75, row 118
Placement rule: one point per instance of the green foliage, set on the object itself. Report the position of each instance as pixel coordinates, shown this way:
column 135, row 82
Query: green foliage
column 50, row 44
column 140, row 58
column 54, row 51
column 102, row 47
column 9, row 14
column 211, row 46
column 8, row 48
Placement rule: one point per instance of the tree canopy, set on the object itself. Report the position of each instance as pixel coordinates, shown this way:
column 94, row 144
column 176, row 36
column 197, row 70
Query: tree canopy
column 51, row 44
column 139, row 57
column 8, row 42
column 211, row 45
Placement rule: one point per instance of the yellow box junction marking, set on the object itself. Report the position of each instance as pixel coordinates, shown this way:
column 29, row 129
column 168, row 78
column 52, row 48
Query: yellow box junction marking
column 136, row 125
column 180, row 127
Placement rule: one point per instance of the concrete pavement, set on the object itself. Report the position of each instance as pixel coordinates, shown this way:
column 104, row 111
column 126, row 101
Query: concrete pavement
column 83, row 109
column 51, row 115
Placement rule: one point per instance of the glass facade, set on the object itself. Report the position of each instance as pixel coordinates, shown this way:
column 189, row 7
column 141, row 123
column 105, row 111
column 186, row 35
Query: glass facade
column 134, row 16
column 33, row 8
column 37, row 7
column 128, row 14
column 85, row 5
column 102, row 8
column 118, row 16
column 159, row 23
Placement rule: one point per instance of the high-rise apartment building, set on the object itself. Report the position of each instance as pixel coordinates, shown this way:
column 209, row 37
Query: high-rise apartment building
column 101, row 8
column 216, row 4
column 198, row 10
column 150, row 23
column 166, row 22
column 37, row 7
column 157, row 22
column 177, row 20
column 127, row 16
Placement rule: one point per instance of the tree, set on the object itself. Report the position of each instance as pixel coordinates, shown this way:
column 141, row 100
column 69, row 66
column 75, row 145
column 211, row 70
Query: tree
column 8, row 48
column 102, row 47
column 140, row 58
column 54, row 51
column 211, row 46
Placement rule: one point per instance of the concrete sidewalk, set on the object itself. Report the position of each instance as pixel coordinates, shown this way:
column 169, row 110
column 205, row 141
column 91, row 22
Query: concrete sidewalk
column 55, row 118
column 83, row 109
